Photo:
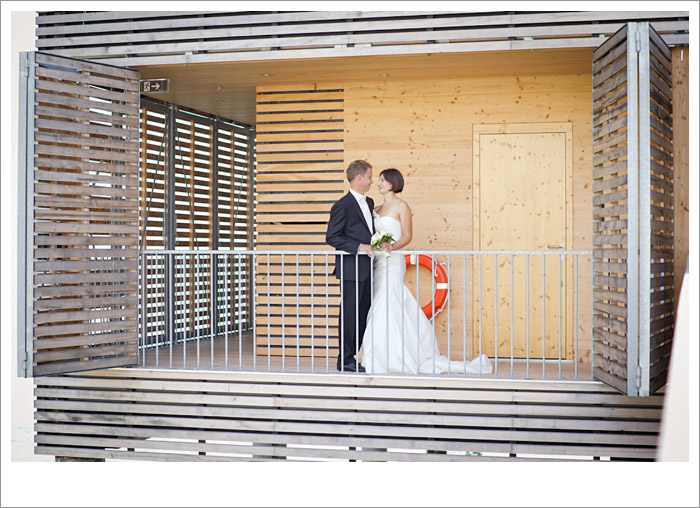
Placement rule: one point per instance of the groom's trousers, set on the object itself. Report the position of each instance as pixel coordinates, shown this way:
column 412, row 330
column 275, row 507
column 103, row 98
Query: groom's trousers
column 352, row 320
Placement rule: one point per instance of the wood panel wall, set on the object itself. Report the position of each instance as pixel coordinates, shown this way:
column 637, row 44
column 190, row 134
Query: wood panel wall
column 300, row 174
column 161, row 415
column 424, row 129
column 83, row 177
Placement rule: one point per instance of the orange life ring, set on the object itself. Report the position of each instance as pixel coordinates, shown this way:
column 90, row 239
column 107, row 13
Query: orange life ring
column 441, row 282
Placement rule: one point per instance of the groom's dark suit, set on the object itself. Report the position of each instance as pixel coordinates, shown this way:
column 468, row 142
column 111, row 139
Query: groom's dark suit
column 347, row 229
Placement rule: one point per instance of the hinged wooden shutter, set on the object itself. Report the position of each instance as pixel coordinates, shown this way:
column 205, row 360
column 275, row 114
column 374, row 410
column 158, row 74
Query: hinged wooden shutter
column 78, row 306
column 656, row 270
column 632, row 210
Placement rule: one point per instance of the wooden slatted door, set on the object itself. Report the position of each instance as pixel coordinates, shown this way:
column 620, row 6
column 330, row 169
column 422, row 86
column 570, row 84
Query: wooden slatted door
column 78, row 215
column 300, row 174
column 656, row 170
column 522, row 201
column 632, row 210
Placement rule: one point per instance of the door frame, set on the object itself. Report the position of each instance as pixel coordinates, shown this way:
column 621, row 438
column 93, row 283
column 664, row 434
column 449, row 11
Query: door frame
column 518, row 128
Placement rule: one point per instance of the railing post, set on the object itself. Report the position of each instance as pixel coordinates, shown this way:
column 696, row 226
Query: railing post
column 170, row 229
column 142, row 307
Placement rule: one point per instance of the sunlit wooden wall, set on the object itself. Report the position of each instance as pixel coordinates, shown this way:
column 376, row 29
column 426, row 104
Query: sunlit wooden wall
column 300, row 174
column 423, row 128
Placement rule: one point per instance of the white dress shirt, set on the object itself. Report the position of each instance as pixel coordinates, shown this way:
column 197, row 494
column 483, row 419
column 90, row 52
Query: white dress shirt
column 362, row 201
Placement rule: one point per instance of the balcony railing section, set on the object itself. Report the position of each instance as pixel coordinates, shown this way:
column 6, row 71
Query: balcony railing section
column 529, row 312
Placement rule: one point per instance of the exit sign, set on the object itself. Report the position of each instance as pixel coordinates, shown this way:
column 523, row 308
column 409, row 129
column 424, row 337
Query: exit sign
column 154, row 85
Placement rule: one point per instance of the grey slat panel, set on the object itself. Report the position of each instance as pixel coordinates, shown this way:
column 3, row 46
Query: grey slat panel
column 325, row 23
column 244, row 37
column 90, row 337
column 611, row 350
column 413, row 37
column 45, row 18
column 179, row 20
column 656, row 113
column 146, row 415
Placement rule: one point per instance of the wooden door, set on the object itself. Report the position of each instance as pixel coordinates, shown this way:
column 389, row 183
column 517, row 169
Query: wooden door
column 522, row 175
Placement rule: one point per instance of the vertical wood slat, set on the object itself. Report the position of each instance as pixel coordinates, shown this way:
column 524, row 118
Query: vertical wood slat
column 84, row 234
column 656, row 209
column 300, row 174
column 614, row 227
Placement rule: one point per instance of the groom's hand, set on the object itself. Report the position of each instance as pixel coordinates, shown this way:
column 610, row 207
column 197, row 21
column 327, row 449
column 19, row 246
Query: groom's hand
column 365, row 249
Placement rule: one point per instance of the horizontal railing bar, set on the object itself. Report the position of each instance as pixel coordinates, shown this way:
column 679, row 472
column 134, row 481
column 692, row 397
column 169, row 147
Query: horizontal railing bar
column 399, row 252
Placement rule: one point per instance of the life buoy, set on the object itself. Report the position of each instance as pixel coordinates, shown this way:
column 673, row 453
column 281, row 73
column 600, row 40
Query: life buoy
column 441, row 282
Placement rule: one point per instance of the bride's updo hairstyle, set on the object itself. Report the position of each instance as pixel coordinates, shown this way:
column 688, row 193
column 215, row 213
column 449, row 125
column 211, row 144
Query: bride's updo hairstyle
column 394, row 177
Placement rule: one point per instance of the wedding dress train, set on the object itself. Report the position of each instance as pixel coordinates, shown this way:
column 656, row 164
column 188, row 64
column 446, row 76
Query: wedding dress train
column 399, row 338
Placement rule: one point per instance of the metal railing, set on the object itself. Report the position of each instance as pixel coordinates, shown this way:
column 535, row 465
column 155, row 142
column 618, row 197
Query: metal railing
column 529, row 312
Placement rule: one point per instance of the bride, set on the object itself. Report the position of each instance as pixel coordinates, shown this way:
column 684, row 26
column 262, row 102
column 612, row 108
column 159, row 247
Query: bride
column 385, row 348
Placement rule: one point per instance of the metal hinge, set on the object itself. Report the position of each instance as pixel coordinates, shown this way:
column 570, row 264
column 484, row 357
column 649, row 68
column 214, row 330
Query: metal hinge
column 639, row 376
column 25, row 363
column 24, row 68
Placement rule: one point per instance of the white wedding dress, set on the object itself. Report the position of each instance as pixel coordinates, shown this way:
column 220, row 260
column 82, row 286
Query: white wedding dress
column 385, row 349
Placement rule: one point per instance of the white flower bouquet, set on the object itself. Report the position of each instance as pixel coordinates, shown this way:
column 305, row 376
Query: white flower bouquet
column 379, row 238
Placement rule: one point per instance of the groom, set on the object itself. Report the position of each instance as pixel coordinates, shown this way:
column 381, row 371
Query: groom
column 350, row 229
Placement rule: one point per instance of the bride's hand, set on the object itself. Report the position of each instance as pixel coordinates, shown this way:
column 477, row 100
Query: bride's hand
column 386, row 247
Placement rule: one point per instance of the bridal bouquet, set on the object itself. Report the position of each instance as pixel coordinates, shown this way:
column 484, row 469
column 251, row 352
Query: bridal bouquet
column 379, row 238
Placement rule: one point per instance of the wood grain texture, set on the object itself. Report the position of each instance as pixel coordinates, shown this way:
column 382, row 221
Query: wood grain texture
column 423, row 128
column 301, row 174
column 179, row 415
column 680, row 166
column 85, row 216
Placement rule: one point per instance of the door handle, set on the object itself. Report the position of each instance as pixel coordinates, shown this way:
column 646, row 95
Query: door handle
column 559, row 246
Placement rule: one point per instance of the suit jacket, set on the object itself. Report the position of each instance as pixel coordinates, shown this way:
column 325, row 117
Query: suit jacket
column 347, row 229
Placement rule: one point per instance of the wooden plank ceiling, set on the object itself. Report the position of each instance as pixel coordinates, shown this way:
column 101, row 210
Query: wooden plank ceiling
column 228, row 89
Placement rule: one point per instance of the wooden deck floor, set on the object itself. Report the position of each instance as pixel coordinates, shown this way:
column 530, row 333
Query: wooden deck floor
column 238, row 355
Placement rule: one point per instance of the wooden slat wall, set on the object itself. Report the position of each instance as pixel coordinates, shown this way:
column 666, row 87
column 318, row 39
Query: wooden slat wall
column 300, row 174
column 161, row 415
column 154, row 149
column 681, row 167
column 85, row 181
column 212, row 198
column 661, row 271
column 610, row 214
column 142, row 38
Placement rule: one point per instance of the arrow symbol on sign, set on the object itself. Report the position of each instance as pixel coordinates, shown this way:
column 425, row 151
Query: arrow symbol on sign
column 156, row 86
